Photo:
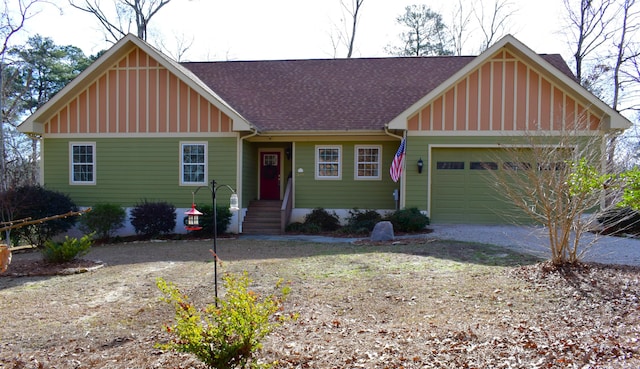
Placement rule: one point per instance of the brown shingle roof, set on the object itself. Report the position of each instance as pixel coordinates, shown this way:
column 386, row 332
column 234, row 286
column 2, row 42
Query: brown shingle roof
column 328, row 94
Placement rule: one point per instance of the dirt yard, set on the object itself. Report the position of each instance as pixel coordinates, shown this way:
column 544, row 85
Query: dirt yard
column 423, row 304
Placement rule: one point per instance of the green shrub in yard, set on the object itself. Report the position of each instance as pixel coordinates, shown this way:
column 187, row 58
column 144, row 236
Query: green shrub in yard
column 362, row 221
column 408, row 220
column 323, row 219
column 103, row 220
column 227, row 336
column 37, row 202
column 70, row 249
column 309, row 228
column 153, row 218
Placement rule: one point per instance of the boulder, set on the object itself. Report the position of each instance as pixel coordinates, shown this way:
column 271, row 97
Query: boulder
column 383, row 231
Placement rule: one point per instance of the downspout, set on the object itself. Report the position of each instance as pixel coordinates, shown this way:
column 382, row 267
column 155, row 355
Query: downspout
column 401, row 200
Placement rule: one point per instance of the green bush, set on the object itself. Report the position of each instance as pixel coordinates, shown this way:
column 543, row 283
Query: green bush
column 36, row 202
column 103, row 220
column 227, row 336
column 322, row 219
column 69, row 249
column 362, row 221
column 153, row 218
column 408, row 220
column 223, row 219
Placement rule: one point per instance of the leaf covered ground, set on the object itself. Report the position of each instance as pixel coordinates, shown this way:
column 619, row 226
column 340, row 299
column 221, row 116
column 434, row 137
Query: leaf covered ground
column 418, row 304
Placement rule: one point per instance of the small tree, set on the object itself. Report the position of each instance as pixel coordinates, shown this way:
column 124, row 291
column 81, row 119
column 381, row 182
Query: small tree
column 228, row 336
column 555, row 181
column 425, row 35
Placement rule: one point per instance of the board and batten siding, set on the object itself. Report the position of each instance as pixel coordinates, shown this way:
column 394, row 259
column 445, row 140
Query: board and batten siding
column 137, row 95
column 130, row 170
column 347, row 192
column 504, row 94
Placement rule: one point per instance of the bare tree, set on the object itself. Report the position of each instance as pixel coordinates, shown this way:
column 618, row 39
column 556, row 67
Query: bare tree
column 589, row 26
column 459, row 26
column 346, row 31
column 493, row 23
column 12, row 21
column 117, row 21
column 473, row 19
column 555, row 181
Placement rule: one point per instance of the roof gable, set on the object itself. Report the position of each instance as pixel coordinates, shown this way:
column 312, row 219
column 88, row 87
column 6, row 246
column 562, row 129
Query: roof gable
column 551, row 66
column 63, row 104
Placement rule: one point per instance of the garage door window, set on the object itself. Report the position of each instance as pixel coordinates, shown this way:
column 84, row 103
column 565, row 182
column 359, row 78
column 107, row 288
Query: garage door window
column 512, row 165
column 450, row 165
column 483, row 165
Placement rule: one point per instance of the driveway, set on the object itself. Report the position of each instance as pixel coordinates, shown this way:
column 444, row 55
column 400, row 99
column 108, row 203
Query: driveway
column 534, row 240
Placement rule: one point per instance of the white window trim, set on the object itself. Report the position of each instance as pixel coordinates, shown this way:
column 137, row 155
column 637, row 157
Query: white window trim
column 355, row 163
column 82, row 183
column 206, row 163
column 317, row 163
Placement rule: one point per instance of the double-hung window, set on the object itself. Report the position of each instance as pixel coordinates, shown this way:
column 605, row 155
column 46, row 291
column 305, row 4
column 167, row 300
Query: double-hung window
column 367, row 162
column 82, row 162
column 193, row 163
column 328, row 162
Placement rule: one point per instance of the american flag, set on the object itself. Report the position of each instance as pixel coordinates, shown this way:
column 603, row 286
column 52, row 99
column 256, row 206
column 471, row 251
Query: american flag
column 396, row 165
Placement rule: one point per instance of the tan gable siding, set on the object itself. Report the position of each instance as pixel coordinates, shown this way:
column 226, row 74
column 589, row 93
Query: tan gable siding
column 137, row 95
column 503, row 94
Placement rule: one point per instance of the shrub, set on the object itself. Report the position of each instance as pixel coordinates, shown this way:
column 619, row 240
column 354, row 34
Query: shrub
column 69, row 249
column 362, row 221
column 36, row 202
column 223, row 219
column 308, row 228
column 322, row 219
column 408, row 220
column 103, row 220
column 153, row 218
column 227, row 336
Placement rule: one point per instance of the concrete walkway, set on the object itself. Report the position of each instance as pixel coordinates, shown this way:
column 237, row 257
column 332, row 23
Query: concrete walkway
column 531, row 240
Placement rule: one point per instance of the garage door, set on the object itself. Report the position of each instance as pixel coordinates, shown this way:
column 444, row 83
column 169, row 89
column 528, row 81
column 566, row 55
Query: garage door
column 464, row 191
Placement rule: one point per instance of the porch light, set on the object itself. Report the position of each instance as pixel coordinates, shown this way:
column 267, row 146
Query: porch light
column 420, row 165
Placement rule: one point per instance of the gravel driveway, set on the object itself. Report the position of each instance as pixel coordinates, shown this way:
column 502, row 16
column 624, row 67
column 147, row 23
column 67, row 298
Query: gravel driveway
column 533, row 240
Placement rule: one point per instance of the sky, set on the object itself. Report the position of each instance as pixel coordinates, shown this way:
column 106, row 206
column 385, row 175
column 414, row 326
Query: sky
column 284, row 29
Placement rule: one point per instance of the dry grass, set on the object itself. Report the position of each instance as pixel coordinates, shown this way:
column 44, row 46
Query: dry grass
column 424, row 304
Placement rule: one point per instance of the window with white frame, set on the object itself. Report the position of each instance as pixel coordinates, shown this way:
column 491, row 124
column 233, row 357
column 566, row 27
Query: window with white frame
column 82, row 160
column 328, row 162
column 193, row 163
column 368, row 162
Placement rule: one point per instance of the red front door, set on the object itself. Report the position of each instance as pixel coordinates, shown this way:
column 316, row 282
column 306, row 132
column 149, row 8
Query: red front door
column 269, row 176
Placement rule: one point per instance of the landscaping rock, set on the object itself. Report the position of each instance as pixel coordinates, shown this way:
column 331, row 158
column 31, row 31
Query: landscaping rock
column 383, row 231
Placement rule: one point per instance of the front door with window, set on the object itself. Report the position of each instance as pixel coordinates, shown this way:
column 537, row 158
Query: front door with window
column 270, row 176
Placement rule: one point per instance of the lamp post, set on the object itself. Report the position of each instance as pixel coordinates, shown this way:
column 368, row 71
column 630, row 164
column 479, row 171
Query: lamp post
column 193, row 222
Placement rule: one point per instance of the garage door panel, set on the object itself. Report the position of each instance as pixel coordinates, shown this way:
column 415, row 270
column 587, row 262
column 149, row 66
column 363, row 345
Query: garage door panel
column 468, row 195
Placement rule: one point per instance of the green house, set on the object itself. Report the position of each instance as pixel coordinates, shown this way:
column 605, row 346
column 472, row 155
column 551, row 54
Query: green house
column 293, row 135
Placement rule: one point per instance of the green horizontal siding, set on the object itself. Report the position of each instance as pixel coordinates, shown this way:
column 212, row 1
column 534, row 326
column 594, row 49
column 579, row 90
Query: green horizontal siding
column 347, row 192
column 129, row 170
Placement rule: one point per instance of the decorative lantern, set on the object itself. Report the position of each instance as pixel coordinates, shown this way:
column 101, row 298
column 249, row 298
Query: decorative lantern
column 420, row 165
column 192, row 223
